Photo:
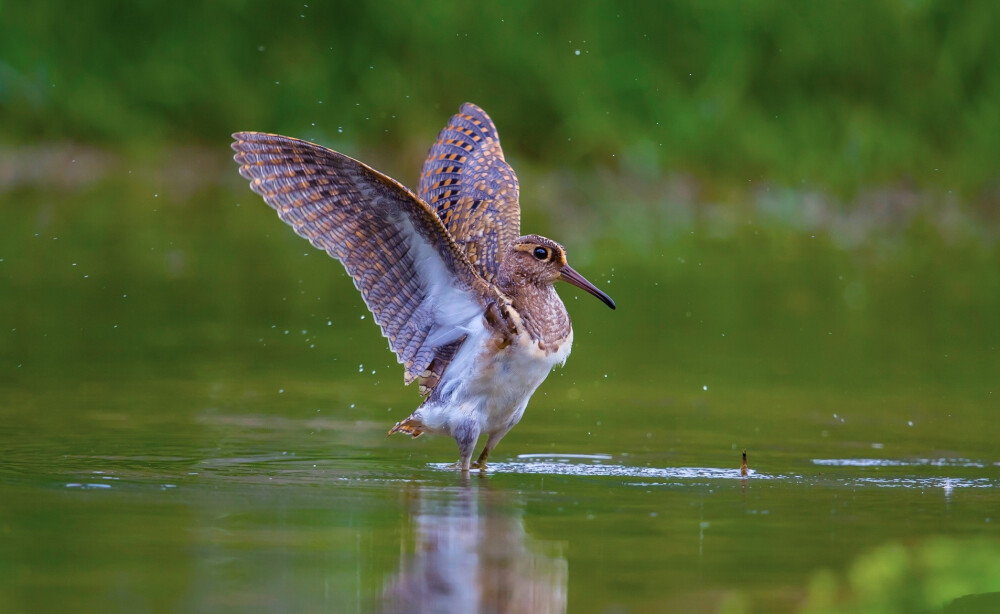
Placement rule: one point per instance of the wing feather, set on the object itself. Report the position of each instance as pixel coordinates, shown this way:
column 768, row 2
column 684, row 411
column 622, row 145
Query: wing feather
column 473, row 189
column 419, row 285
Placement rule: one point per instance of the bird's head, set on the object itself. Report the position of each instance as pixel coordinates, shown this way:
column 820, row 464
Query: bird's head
column 538, row 260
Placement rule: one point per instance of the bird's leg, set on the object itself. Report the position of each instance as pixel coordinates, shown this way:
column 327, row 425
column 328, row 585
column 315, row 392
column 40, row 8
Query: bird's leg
column 491, row 442
column 481, row 461
column 465, row 434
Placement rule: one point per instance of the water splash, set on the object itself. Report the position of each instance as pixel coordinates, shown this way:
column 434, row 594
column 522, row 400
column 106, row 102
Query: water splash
column 571, row 465
column 888, row 462
column 946, row 484
column 598, row 469
column 598, row 457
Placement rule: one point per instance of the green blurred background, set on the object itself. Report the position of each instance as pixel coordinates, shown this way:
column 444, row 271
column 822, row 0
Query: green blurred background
column 837, row 95
column 796, row 206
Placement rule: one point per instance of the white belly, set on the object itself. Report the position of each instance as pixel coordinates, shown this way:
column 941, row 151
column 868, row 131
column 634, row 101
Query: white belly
column 491, row 387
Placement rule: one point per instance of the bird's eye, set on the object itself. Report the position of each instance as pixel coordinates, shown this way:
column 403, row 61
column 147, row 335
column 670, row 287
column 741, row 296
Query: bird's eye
column 541, row 253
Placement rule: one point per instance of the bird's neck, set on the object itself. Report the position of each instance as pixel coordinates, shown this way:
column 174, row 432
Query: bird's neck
column 542, row 312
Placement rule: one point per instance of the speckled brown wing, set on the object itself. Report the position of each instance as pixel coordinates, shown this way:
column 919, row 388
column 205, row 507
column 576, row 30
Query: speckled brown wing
column 472, row 188
column 418, row 284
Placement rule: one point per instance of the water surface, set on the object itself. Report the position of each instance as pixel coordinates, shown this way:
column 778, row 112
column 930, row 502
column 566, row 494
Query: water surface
column 193, row 409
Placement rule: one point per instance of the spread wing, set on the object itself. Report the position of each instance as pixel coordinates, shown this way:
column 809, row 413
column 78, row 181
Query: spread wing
column 473, row 189
column 419, row 286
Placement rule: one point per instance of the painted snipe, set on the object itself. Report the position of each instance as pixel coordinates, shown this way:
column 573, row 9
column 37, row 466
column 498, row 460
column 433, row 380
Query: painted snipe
column 468, row 305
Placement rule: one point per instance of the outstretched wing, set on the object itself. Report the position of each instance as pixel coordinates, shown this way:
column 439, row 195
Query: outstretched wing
column 473, row 189
column 420, row 287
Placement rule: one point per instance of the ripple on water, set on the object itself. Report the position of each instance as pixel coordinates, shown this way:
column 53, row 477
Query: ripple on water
column 561, row 465
column 889, row 462
column 947, row 483
column 567, row 457
column 571, row 465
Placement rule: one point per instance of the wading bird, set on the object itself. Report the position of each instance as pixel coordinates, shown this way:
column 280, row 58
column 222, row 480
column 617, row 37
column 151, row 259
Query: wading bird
column 467, row 304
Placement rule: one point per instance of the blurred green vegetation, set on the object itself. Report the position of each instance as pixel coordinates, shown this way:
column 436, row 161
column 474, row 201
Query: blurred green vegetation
column 938, row 575
column 837, row 95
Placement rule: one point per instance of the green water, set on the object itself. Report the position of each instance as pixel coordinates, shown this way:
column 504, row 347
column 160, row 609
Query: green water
column 193, row 407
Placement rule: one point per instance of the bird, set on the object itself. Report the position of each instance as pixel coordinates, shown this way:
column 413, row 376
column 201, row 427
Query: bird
column 466, row 302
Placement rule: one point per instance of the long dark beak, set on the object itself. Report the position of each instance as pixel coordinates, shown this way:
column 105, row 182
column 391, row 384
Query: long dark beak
column 570, row 276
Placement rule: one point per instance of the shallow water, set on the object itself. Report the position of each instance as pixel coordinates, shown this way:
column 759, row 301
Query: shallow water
column 193, row 409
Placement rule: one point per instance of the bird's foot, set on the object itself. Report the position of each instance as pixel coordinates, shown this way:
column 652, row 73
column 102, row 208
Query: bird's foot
column 480, row 467
column 480, row 463
column 411, row 427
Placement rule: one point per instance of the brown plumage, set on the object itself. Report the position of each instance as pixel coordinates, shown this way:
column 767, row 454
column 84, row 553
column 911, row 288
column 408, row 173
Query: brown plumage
column 355, row 213
column 473, row 189
column 467, row 305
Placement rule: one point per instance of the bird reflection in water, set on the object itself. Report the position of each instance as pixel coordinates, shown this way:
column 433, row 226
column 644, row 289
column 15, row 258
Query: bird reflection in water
column 469, row 552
